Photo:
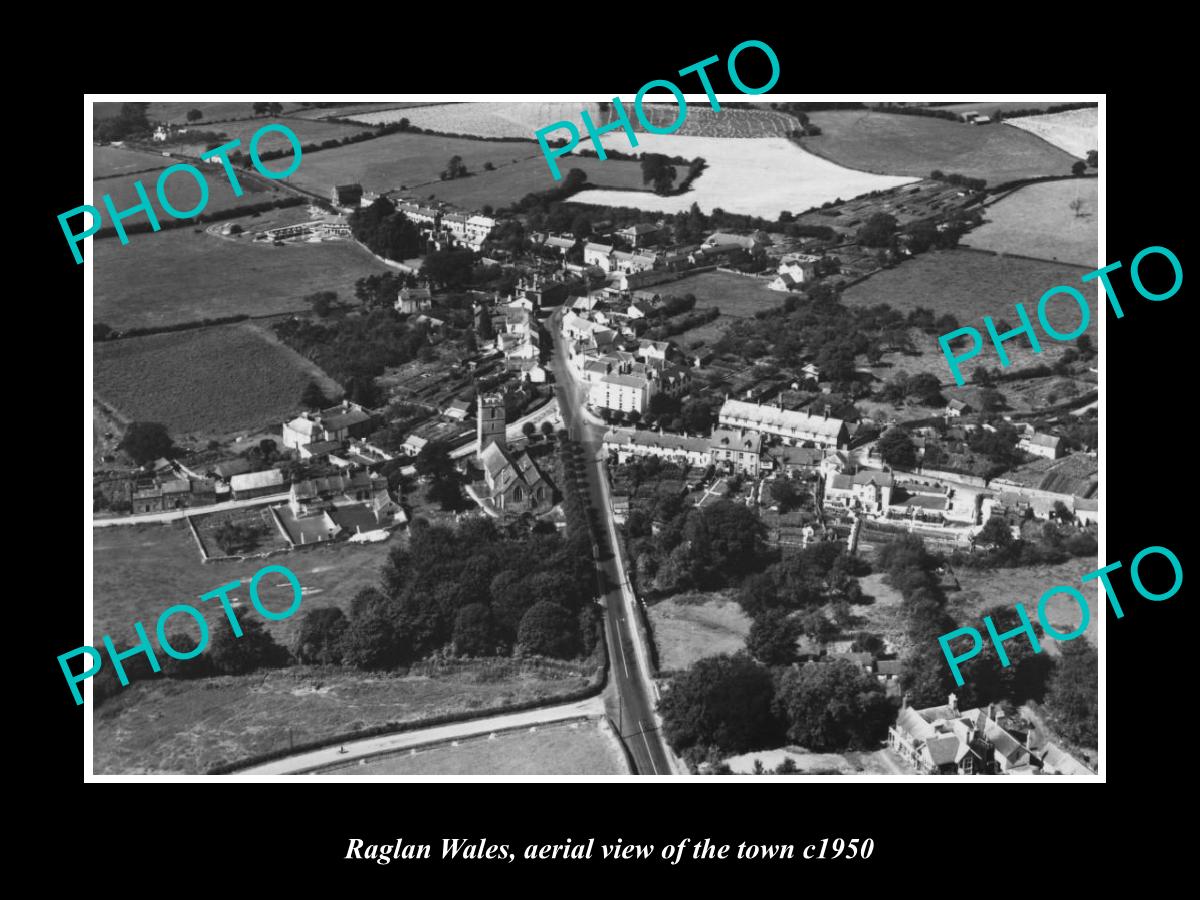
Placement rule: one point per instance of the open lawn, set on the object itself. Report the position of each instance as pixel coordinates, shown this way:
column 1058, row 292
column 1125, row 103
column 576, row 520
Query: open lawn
column 509, row 183
column 692, row 626
column 970, row 285
column 203, row 382
column 1074, row 131
column 915, row 145
column 734, row 295
column 403, row 161
column 759, row 177
column 180, row 276
column 580, row 748
column 140, row 570
column 183, row 193
column 108, row 161
column 166, row 725
column 1037, row 220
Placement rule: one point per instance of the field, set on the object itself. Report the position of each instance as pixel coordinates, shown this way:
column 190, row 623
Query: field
column 760, row 177
column 180, row 276
column 183, row 193
column 703, row 121
column 486, row 119
column 307, row 130
column 916, row 145
column 353, row 110
column 166, row 725
column 580, row 748
column 1076, row 474
column 852, row 762
column 1036, row 221
column 704, row 334
column 1073, row 131
column 177, row 112
column 403, row 161
column 258, row 517
column 970, row 285
column 989, row 107
column 207, row 381
column 512, row 181
column 107, row 161
column 692, row 626
column 734, row 295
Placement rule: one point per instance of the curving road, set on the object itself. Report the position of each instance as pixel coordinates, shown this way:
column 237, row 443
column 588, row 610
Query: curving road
column 633, row 695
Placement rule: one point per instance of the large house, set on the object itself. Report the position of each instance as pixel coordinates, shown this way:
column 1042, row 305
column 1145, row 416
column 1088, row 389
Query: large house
column 420, row 215
column 869, row 490
column 640, row 235
column 598, row 255
column 514, row 481
column 792, row 426
column 622, row 393
column 1044, row 445
column 942, row 740
column 346, row 196
column 337, row 423
column 414, row 300
column 736, row 449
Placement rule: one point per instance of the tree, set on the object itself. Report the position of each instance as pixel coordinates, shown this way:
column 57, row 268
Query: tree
column 991, row 400
column 1076, row 206
column 449, row 268
column 814, row 624
column 322, row 302
column 896, row 449
column 1093, row 159
column 474, row 631
column 100, row 331
column 1073, row 692
column 548, row 629
column 255, row 649
column 925, row 389
column 657, row 168
column 783, row 492
column 1084, row 345
column 197, row 667
column 313, row 397
column 434, row 461
column 1078, row 168
column 260, row 109
column 547, row 430
column 194, row 115
column 488, row 167
column 866, row 642
column 454, row 169
column 995, row 531
column 373, row 639
column 274, row 109
column 319, row 641
column 723, row 703
column 878, row 231
column 772, row 638
column 528, row 429
column 832, row 706
column 146, row 441
column 921, row 236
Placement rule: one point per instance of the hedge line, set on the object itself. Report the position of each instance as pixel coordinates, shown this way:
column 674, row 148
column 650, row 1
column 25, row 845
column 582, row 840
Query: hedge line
column 597, row 685
column 166, row 224
column 181, row 326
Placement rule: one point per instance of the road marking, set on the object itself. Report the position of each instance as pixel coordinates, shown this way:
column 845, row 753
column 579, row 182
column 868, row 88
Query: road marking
column 620, row 646
column 646, row 741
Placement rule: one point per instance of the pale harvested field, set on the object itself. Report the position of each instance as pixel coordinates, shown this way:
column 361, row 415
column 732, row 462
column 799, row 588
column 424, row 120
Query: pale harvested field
column 754, row 177
column 1036, row 221
column 688, row 631
column 1075, row 131
column 579, row 748
column 109, row 161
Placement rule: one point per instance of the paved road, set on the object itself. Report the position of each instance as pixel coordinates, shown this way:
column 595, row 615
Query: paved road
column 634, row 694
column 172, row 515
column 329, row 756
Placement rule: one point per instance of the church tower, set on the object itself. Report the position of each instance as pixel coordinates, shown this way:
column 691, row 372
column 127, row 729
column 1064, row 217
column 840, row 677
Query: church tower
column 490, row 427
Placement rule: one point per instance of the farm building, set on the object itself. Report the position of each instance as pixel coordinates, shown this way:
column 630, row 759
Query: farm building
column 256, row 484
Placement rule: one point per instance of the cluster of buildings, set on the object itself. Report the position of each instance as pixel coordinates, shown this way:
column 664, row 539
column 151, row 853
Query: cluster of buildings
column 944, row 740
column 442, row 225
column 515, row 483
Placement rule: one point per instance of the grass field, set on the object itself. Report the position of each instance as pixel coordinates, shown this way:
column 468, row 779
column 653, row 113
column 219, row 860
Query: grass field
column 307, row 130
column 115, row 160
column 406, row 159
column 182, row 192
column 915, row 145
column 177, row 112
column 734, row 295
column 353, row 110
column 509, row 183
column 988, row 107
column 760, row 177
column 971, row 285
column 166, row 725
column 580, row 748
column 1074, row 131
column 204, row 382
column 486, row 119
column 693, row 626
column 1037, row 221
column 180, row 276
column 704, row 334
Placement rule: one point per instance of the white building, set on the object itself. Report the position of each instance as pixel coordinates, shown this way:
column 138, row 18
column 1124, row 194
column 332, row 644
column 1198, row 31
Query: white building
column 599, row 255
column 792, row 426
column 628, row 443
column 1048, row 446
column 623, row 393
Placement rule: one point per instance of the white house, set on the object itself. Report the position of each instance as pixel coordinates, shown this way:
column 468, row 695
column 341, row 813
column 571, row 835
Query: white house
column 599, row 255
column 624, row 393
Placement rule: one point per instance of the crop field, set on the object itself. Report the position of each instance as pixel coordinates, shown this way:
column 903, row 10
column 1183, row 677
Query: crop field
column 758, row 177
column 182, row 191
column 580, row 748
column 354, row 110
column 404, row 161
column 512, row 181
column 168, row 725
column 1074, row 131
column 180, row 276
column 914, row 145
column 487, row 119
column 693, row 626
column 1037, row 220
column 203, row 382
column 108, row 161
column 309, row 131
column 970, row 285
column 734, row 295
column 177, row 112
column 703, row 121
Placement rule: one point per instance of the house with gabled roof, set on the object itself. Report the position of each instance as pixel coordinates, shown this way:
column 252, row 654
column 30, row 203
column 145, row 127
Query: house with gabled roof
column 515, row 483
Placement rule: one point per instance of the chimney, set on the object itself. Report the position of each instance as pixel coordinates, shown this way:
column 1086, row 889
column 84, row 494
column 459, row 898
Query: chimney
column 904, row 700
column 952, row 702
column 826, row 410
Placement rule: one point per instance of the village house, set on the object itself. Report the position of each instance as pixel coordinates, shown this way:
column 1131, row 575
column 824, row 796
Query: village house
column 628, row 443
column 956, row 408
column 563, row 245
column 598, row 255
column 869, row 490
column 346, row 196
column 256, row 484
column 163, row 495
column 414, row 300
column 458, row 409
column 793, row 426
column 1048, row 446
column 736, row 450
column 420, row 215
column 747, row 242
column 621, row 393
column 337, row 423
column 643, row 234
